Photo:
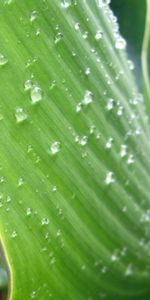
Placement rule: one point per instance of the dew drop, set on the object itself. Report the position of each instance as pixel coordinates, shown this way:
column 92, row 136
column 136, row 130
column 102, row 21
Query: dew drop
column 44, row 221
column 55, row 147
column 120, row 111
column 20, row 115
column 33, row 294
column 85, row 35
column 33, row 16
column 13, row 234
column 130, row 159
column 109, row 143
column 109, row 178
column 123, row 150
column 3, row 60
column 87, row 98
column 28, row 211
column 131, row 65
column 98, row 35
column 8, row 199
column 77, row 26
column 129, row 270
column 78, row 107
column 20, row 181
column 65, row 4
column 88, row 71
column 36, row 94
column 27, row 84
column 58, row 37
column 120, row 43
column 110, row 104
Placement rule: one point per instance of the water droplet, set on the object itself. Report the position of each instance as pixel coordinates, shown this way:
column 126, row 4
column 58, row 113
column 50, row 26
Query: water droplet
column 88, row 71
column 20, row 181
column 85, row 35
column 110, row 104
column 13, row 234
column 120, row 43
column 33, row 294
column 131, row 65
column 45, row 221
column 65, row 4
column 98, row 35
column 109, row 178
column 27, row 84
column 3, row 60
column 8, row 199
column 55, row 147
column 36, row 94
column 33, row 16
column 20, row 115
column 83, row 140
column 87, row 98
column 38, row 31
column 109, row 143
column 28, row 211
column 120, row 110
column 129, row 270
column 114, row 257
column 78, row 107
column 130, row 159
column 77, row 26
column 123, row 150
column 58, row 37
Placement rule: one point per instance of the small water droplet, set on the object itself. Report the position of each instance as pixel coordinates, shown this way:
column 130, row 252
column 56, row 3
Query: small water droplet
column 131, row 65
column 120, row 43
column 33, row 294
column 27, row 84
column 58, row 37
column 8, row 199
column 20, row 115
column 85, row 35
column 88, row 71
column 120, row 110
column 109, row 178
column 45, row 221
column 28, row 211
column 3, row 60
column 98, row 35
column 65, row 4
column 109, row 143
column 110, row 104
column 55, row 147
column 129, row 270
column 20, row 181
column 130, row 159
column 36, row 94
column 33, row 16
column 13, row 234
column 77, row 26
column 123, row 150
column 87, row 98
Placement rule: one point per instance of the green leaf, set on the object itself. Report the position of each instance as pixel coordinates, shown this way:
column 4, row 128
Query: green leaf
column 74, row 152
